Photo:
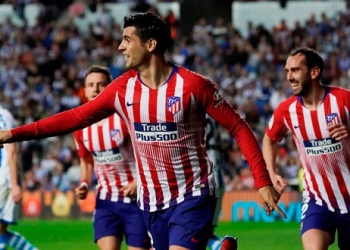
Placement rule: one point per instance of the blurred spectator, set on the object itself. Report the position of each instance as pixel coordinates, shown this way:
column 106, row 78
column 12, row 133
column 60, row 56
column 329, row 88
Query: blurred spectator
column 73, row 172
column 291, row 173
column 201, row 30
column 69, row 99
column 59, row 179
column 30, row 182
column 173, row 23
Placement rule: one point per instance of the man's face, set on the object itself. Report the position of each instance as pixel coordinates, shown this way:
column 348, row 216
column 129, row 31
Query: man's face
column 134, row 50
column 94, row 84
column 298, row 75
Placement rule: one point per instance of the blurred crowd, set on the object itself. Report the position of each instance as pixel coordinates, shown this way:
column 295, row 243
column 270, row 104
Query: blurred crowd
column 42, row 69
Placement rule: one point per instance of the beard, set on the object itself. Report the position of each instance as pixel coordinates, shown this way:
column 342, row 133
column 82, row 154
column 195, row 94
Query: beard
column 305, row 87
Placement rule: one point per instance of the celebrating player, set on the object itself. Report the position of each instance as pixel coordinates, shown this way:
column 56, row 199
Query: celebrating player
column 319, row 118
column 10, row 191
column 106, row 145
column 164, row 107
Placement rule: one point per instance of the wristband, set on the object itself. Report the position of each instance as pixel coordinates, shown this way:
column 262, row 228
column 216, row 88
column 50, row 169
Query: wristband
column 84, row 183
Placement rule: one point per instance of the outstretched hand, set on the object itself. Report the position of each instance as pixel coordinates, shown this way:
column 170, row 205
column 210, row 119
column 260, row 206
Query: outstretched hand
column 270, row 197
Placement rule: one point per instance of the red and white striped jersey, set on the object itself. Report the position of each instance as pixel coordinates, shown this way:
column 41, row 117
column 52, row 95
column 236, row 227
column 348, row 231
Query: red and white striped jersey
column 326, row 162
column 109, row 143
column 167, row 128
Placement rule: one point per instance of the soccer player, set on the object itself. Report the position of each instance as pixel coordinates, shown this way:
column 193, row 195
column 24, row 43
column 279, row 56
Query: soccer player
column 164, row 107
column 106, row 146
column 319, row 119
column 10, row 191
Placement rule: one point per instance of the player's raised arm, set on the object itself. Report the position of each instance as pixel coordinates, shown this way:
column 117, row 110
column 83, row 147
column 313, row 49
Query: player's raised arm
column 218, row 108
column 66, row 122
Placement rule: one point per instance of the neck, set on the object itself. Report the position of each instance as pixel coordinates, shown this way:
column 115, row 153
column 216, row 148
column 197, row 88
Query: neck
column 156, row 73
column 314, row 99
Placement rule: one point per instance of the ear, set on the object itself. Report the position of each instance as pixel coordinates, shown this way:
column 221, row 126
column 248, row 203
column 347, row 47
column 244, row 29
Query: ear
column 315, row 72
column 151, row 44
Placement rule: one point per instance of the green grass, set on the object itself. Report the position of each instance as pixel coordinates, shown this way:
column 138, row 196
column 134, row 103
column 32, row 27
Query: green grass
column 77, row 234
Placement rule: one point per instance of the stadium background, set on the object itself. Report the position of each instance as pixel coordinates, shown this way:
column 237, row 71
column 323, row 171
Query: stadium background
column 45, row 48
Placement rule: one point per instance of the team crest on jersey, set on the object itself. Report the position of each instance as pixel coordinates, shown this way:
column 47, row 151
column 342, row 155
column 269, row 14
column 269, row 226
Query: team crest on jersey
column 332, row 118
column 116, row 135
column 173, row 104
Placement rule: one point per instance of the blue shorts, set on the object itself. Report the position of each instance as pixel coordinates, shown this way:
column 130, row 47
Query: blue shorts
column 319, row 217
column 187, row 224
column 116, row 219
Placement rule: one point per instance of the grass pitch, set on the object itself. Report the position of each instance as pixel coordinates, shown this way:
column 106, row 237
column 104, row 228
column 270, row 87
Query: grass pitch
column 78, row 234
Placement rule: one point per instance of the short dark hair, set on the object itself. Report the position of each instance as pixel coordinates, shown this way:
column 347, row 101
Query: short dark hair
column 148, row 25
column 99, row 69
column 312, row 58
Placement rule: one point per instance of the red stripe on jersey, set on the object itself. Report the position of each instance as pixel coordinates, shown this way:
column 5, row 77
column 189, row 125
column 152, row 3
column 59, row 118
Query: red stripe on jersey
column 117, row 179
column 137, row 91
column 111, row 123
column 173, row 186
column 100, row 137
column 101, row 142
column 126, row 144
column 154, row 167
column 321, row 169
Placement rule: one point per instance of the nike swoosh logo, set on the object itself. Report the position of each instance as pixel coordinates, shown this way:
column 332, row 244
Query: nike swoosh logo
column 296, row 127
column 130, row 103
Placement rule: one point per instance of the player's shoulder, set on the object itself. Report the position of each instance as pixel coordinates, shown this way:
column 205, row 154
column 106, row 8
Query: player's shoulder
column 338, row 91
column 191, row 76
column 285, row 104
column 125, row 77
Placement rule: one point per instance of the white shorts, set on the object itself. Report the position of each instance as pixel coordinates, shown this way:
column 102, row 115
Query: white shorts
column 8, row 208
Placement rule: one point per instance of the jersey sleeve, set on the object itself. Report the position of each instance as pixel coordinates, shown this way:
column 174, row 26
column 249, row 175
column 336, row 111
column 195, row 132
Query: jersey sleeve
column 74, row 119
column 347, row 105
column 218, row 108
column 276, row 128
column 82, row 151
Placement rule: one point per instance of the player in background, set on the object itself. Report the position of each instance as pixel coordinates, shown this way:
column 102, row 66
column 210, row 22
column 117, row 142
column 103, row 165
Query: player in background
column 318, row 117
column 164, row 107
column 106, row 148
column 214, row 151
column 10, row 190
